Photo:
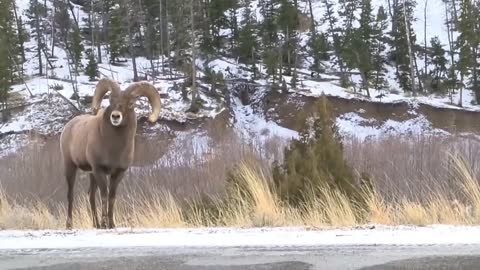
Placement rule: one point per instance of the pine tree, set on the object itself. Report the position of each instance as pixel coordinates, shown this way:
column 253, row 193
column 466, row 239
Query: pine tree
column 76, row 48
column 247, row 37
column 349, row 37
column 379, row 48
column 217, row 19
column 288, row 23
column 338, row 40
column 402, row 47
column 36, row 14
column 92, row 67
column 270, row 39
column 467, row 45
column 180, row 14
column 319, row 47
column 439, row 61
column 116, row 32
column 360, row 55
column 315, row 162
column 9, row 50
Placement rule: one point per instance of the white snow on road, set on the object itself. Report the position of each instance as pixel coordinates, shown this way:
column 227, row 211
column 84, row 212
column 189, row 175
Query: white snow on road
column 230, row 237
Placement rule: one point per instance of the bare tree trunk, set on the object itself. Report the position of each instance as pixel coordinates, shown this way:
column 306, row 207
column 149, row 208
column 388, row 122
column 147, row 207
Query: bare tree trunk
column 130, row 43
column 90, row 25
column 168, row 39
column 392, row 9
column 420, row 84
column 162, row 52
column 53, row 28
column 19, row 28
column 39, row 41
column 450, row 43
column 287, row 43
column 425, row 36
column 455, row 13
column 409, row 44
column 95, row 34
column 312, row 18
column 475, row 75
column 460, row 102
column 194, row 68
column 73, row 13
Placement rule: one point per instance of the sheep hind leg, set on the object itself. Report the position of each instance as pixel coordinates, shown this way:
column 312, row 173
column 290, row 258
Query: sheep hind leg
column 101, row 179
column 70, row 174
column 114, row 181
column 93, row 207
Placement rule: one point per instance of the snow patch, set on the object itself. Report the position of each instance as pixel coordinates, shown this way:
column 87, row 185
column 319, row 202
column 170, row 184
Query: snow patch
column 256, row 237
column 248, row 123
column 354, row 125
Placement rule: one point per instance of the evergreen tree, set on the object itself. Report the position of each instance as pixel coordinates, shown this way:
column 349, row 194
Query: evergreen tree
column 379, row 48
column 9, row 50
column 180, row 15
column 338, row 40
column 270, row 40
column 36, row 14
column 92, row 67
column 467, row 45
column 349, row 37
column 319, row 47
column 315, row 162
column 116, row 32
column 247, row 44
column 401, row 47
column 217, row 19
column 360, row 55
column 76, row 48
column 288, row 23
column 439, row 61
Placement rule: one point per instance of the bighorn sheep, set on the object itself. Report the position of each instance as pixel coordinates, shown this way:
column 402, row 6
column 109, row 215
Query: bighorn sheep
column 103, row 144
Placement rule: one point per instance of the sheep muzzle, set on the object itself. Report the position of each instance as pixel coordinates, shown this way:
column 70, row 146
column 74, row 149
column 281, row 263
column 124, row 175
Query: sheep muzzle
column 116, row 118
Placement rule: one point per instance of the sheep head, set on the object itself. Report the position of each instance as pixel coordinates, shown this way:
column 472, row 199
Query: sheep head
column 122, row 103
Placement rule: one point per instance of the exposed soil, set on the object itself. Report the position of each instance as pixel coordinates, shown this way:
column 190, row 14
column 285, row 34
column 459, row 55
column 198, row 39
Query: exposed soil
column 290, row 110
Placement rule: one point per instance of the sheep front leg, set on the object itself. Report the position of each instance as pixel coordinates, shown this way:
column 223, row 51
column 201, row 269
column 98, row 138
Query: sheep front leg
column 93, row 207
column 115, row 179
column 70, row 174
column 101, row 178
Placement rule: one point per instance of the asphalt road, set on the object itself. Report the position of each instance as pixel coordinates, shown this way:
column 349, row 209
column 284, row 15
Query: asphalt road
column 348, row 257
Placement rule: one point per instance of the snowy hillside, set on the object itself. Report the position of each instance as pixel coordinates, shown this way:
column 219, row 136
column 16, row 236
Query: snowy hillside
column 50, row 100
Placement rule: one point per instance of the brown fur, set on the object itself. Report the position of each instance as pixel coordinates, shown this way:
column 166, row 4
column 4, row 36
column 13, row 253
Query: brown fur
column 92, row 143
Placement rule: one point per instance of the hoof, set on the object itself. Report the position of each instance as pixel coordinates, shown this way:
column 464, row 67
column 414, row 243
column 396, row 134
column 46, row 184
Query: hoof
column 103, row 225
column 68, row 225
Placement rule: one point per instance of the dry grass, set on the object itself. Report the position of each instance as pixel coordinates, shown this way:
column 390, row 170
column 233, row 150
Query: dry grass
column 419, row 184
column 251, row 202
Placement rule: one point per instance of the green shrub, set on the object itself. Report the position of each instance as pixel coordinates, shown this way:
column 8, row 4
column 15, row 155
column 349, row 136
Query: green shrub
column 315, row 162
column 92, row 67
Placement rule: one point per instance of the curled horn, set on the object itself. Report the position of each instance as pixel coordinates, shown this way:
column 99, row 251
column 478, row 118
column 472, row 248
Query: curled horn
column 103, row 86
column 146, row 89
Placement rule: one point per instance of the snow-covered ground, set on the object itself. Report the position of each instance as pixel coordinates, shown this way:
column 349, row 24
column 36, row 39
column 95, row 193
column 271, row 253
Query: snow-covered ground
column 257, row 237
column 354, row 125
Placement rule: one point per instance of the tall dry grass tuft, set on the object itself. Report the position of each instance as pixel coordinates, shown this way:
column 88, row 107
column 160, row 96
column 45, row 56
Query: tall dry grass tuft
column 251, row 200
column 161, row 210
column 28, row 215
column 328, row 207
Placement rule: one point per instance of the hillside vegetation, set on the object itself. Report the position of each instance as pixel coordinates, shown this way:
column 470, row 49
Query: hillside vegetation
column 228, row 71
